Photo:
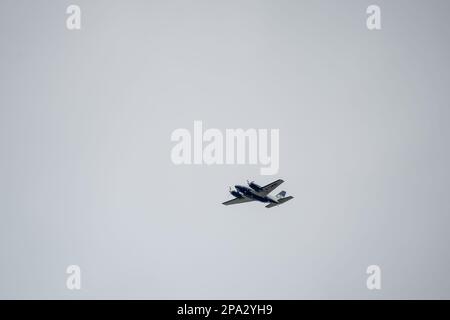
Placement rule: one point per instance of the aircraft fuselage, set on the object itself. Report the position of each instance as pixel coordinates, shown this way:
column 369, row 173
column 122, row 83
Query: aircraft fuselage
column 252, row 194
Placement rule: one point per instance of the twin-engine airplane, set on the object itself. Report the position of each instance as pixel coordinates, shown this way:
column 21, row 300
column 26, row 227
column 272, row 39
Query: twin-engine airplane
column 256, row 193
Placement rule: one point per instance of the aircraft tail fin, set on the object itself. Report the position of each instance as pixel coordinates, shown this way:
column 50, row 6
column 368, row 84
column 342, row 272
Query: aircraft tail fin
column 282, row 194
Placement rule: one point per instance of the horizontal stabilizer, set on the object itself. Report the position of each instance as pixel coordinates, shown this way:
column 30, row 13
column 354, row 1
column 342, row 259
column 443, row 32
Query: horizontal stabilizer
column 283, row 200
column 280, row 201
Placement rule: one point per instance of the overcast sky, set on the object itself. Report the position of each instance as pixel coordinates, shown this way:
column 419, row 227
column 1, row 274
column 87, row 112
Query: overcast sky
column 86, row 176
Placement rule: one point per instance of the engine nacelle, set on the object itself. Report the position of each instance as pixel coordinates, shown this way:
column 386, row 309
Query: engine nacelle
column 236, row 194
column 254, row 186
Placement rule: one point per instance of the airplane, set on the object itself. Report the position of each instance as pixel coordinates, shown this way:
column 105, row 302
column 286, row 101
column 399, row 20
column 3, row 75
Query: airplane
column 255, row 192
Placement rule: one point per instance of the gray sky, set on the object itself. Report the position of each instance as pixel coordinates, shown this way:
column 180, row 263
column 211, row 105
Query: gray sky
column 86, row 176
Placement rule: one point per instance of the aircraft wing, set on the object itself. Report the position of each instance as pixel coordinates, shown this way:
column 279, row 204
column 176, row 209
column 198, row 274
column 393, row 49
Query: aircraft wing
column 270, row 187
column 237, row 200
